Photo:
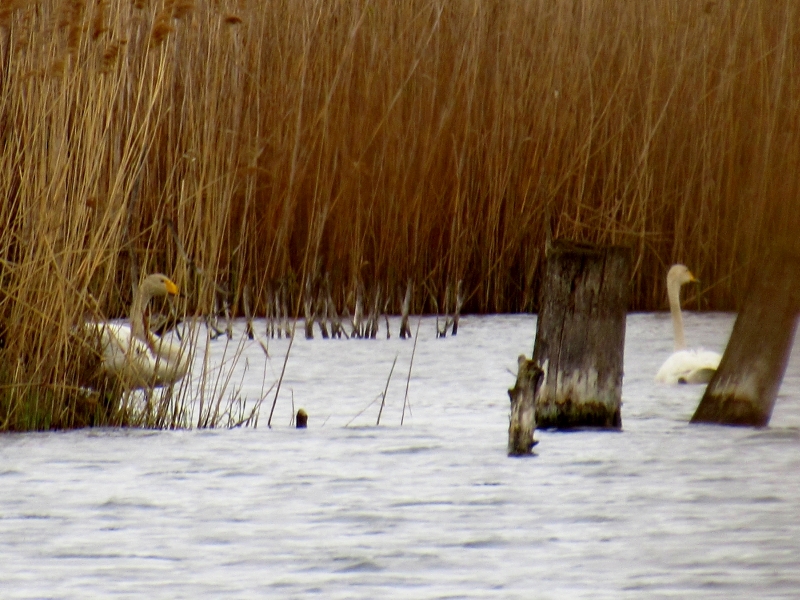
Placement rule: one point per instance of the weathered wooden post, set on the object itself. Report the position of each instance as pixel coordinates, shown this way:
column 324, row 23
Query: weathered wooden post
column 580, row 336
column 522, row 421
column 744, row 388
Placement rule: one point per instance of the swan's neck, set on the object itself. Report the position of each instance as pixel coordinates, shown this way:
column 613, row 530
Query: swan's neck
column 138, row 326
column 674, row 294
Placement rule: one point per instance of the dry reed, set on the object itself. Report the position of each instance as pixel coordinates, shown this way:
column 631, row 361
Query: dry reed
column 373, row 143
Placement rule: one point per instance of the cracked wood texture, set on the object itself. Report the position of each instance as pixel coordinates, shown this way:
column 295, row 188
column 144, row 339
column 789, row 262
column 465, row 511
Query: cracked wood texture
column 580, row 336
column 522, row 422
column 744, row 388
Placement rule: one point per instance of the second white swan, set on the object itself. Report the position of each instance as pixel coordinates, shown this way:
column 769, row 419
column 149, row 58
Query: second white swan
column 684, row 365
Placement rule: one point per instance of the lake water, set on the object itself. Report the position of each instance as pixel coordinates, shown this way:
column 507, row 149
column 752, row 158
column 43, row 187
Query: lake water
column 432, row 509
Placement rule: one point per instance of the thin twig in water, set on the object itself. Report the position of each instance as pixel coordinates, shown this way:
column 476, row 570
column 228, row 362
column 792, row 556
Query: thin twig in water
column 280, row 379
column 408, row 380
column 388, row 379
column 361, row 412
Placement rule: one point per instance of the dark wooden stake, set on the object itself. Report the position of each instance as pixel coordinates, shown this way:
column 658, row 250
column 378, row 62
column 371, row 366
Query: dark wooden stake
column 744, row 388
column 522, row 421
column 580, row 336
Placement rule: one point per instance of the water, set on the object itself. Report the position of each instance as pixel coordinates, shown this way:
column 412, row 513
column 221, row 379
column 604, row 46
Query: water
column 432, row 509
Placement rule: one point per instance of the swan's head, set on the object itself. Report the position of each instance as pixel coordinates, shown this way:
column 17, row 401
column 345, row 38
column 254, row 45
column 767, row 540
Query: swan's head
column 159, row 285
column 678, row 275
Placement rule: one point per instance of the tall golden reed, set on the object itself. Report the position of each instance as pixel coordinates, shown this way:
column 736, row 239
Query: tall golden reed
column 377, row 141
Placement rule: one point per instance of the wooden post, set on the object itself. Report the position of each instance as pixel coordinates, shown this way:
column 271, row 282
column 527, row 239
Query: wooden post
column 744, row 388
column 522, row 421
column 580, row 336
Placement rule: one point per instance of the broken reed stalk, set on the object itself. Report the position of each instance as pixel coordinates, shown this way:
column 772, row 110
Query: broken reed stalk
column 248, row 312
column 308, row 311
column 133, row 258
column 226, row 307
column 408, row 379
column 324, row 311
column 459, row 305
column 363, row 410
column 251, row 331
column 385, row 390
column 440, row 332
column 337, row 330
column 357, row 330
column 373, row 321
column 280, row 379
column 405, row 330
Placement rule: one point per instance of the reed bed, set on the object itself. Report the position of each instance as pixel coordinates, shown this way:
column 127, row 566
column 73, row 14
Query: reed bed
column 360, row 145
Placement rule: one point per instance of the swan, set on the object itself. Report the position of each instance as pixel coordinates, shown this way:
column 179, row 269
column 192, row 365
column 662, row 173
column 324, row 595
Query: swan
column 684, row 366
column 135, row 356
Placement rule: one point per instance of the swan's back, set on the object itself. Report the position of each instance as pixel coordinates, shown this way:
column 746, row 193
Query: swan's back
column 123, row 356
column 689, row 366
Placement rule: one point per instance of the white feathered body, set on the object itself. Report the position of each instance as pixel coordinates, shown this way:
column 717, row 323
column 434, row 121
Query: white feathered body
column 689, row 366
column 133, row 362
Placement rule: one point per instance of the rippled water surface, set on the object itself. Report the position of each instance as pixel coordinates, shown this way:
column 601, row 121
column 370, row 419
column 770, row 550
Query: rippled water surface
column 432, row 509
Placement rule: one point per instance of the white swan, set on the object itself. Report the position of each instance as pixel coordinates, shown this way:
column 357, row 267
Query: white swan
column 135, row 356
column 684, row 366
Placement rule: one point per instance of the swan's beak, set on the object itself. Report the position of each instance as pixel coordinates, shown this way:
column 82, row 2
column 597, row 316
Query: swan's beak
column 172, row 289
column 692, row 278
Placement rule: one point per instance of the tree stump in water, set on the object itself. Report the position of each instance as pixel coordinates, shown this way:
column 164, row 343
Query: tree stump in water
column 580, row 336
column 522, row 421
column 744, row 388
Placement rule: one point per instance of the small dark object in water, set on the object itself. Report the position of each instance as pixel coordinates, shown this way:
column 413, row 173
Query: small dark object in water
column 301, row 421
